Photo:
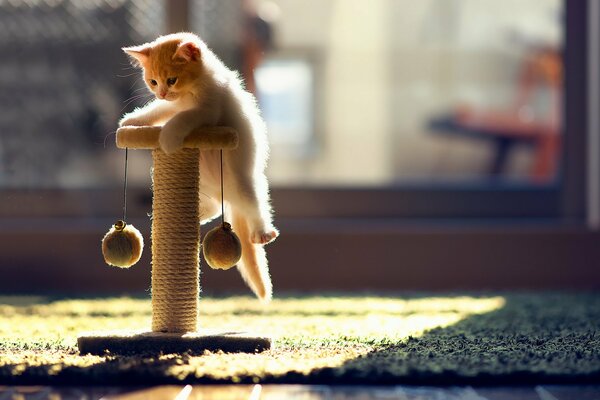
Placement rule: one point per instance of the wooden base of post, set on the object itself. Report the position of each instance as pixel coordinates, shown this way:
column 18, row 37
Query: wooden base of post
column 138, row 342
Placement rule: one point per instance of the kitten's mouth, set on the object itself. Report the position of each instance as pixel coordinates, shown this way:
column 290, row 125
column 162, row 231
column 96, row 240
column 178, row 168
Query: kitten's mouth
column 168, row 97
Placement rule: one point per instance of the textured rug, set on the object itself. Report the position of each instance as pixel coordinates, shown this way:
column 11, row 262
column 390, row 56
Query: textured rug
column 493, row 339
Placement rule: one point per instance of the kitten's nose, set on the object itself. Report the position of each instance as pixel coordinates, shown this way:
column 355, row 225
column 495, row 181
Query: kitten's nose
column 162, row 95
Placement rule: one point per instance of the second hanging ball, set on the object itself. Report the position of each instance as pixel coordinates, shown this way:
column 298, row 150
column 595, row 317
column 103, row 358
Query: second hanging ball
column 122, row 245
column 221, row 247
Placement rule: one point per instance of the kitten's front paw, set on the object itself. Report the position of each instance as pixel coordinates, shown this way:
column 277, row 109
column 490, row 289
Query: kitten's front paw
column 131, row 121
column 264, row 237
column 170, row 143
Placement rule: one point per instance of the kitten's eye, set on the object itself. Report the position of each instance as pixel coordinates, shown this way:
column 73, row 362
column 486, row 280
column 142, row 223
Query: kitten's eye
column 171, row 81
column 153, row 82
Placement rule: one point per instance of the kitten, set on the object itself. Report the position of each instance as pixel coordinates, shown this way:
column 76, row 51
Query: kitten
column 194, row 88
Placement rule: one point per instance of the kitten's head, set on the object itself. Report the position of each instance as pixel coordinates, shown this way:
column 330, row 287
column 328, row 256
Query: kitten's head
column 171, row 64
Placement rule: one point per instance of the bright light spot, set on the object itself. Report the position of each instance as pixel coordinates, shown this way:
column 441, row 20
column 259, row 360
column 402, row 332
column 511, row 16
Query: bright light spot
column 256, row 391
column 286, row 96
column 185, row 393
column 269, row 11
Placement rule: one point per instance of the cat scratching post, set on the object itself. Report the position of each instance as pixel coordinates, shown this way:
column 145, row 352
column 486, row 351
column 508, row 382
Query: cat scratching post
column 175, row 253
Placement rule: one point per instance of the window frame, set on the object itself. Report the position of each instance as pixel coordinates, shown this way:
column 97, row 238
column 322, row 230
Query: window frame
column 392, row 238
column 564, row 202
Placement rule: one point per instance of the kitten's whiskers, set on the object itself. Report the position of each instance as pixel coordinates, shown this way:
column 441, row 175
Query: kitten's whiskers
column 135, row 98
column 127, row 75
column 107, row 135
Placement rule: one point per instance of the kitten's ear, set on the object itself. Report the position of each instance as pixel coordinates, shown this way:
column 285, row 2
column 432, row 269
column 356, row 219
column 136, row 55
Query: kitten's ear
column 187, row 51
column 138, row 54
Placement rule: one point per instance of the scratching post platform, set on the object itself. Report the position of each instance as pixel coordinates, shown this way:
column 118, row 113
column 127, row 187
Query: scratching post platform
column 175, row 253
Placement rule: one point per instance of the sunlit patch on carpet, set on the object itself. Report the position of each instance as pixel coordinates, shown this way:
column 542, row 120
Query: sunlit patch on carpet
column 319, row 340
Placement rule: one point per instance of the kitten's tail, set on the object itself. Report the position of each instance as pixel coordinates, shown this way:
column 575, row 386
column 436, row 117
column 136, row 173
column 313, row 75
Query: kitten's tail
column 253, row 266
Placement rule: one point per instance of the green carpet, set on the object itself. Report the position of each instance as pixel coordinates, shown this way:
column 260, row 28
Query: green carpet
column 417, row 339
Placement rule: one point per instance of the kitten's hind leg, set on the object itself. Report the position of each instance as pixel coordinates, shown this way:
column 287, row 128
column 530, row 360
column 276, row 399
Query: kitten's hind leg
column 251, row 197
column 253, row 265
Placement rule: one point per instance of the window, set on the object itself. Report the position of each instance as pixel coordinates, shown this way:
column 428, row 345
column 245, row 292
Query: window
column 65, row 86
column 429, row 92
column 285, row 91
column 386, row 118
column 436, row 109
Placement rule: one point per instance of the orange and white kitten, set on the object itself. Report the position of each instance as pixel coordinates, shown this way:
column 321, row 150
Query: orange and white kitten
column 194, row 88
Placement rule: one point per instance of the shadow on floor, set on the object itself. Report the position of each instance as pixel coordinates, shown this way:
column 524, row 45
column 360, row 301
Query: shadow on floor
column 539, row 339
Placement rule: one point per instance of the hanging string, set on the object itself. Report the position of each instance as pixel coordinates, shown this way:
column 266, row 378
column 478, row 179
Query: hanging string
column 125, row 188
column 222, row 203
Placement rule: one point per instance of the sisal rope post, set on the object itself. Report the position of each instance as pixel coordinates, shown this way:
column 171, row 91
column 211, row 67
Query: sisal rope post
column 175, row 241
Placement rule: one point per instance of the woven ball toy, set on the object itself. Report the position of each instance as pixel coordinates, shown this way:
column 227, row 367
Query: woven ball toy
column 122, row 245
column 221, row 247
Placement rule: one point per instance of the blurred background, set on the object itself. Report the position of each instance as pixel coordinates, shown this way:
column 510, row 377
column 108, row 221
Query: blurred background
column 431, row 145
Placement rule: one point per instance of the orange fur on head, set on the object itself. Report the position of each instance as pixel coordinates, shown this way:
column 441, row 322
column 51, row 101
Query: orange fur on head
column 138, row 54
column 172, row 64
column 187, row 52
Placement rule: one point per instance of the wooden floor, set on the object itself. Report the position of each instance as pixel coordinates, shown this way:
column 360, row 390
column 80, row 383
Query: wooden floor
column 306, row 392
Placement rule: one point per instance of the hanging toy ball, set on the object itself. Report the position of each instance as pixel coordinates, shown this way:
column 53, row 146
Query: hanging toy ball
column 221, row 247
column 122, row 245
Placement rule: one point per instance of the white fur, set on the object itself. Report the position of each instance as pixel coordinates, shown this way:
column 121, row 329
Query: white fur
column 217, row 97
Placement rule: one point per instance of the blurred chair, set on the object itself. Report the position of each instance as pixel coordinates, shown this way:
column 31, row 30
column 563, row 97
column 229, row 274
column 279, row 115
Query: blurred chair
column 521, row 123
